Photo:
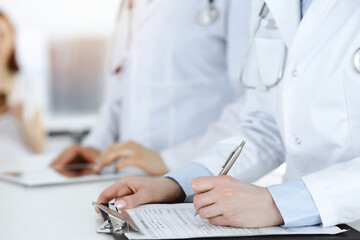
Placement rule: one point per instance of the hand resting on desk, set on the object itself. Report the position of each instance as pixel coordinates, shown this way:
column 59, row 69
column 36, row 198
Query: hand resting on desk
column 131, row 153
column 76, row 154
column 130, row 192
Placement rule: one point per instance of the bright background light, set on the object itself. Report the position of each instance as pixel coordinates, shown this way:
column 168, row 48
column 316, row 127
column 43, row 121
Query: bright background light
column 61, row 45
column 64, row 18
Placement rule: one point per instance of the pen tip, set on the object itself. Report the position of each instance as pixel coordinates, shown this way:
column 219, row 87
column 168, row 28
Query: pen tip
column 242, row 144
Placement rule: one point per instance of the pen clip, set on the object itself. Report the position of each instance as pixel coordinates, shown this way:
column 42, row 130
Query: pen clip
column 231, row 159
column 230, row 156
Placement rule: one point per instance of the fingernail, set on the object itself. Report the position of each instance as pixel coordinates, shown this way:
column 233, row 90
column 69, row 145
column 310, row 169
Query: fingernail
column 120, row 204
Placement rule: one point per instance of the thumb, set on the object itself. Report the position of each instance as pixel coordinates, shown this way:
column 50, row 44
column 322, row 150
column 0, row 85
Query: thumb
column 131, row 201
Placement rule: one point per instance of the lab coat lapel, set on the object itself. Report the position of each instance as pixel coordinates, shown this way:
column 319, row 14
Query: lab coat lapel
column 145, row 9
column 121, row 39
column 312, row 24
column 287, row 16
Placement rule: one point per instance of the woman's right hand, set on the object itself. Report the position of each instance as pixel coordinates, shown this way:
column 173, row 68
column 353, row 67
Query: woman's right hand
column 130, row 192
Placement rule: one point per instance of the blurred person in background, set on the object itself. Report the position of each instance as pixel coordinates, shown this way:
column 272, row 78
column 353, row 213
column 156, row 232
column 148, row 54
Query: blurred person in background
column 177, row 65
column 21, row 124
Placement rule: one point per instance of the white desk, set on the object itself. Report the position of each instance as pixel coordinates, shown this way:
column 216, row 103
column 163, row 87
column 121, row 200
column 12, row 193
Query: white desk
column 54, row 212
column 57, row 212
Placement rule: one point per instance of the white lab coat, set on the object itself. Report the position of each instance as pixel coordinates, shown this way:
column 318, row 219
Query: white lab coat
column 177, row 76
column 311, row 120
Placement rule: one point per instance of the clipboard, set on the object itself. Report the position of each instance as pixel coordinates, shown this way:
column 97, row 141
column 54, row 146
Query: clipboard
column 352, row 234
column 120, row 223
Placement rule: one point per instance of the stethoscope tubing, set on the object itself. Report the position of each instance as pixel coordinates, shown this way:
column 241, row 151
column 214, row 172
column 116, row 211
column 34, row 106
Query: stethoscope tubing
column 261, row 88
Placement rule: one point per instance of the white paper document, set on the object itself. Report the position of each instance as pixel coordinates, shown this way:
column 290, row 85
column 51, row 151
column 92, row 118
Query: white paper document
column 175, row 221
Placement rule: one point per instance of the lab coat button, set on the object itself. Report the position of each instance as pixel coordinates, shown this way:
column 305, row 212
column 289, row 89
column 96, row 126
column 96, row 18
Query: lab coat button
column 295, row 73
column 297, row 140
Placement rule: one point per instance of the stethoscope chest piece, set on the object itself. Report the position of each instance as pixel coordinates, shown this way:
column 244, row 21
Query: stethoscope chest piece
column 357, row 60
column 208, row 15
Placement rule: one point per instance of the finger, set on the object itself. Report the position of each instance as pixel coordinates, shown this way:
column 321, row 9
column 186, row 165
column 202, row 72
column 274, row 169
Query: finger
column 210, row 211
column 66, row 173
column 204, row 199
column 124, row 191
column 111, row 192
column 219, row 220
column 202, row 184
column 113, row 154
column 132, row 201
column 102, row 161
column 65, row 157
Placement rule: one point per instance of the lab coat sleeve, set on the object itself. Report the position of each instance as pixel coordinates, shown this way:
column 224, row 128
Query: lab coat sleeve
column 263, row 151
column 336, row 192
column 189, row 150
column 106, row 130
column 257, row 128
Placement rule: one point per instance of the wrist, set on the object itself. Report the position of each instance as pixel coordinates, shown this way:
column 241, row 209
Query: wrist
column 277, row 218
column 162, row 168
column 177, row 194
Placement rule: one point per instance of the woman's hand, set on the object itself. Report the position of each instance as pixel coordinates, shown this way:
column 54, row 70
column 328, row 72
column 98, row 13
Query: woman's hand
column 226, row 201
column 76, row 154
column 130, row 192
column 133, row 154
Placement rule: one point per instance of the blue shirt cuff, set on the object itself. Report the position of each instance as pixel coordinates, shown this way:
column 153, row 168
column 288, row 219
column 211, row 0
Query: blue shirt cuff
column 184, row 175
column 295, row 204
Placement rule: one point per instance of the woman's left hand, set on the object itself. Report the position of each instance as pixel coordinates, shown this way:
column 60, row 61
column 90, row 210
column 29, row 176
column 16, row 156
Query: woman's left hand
column 133, row 154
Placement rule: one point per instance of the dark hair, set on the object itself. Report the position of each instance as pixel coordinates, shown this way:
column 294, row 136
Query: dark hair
column 12, row 64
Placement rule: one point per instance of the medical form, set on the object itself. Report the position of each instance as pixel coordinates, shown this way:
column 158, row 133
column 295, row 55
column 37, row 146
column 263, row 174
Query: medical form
column 176, row 221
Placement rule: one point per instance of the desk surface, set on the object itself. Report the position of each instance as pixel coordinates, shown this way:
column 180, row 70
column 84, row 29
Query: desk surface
column 56, row 212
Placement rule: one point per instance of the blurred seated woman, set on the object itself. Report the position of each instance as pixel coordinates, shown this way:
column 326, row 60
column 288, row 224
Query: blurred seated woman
column 21, row 125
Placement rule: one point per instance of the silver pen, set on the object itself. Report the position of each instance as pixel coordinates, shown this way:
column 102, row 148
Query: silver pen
column 230, row 161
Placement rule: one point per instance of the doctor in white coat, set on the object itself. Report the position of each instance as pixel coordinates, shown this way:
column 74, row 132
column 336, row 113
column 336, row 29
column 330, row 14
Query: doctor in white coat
column 172, row 74
column 308, row 116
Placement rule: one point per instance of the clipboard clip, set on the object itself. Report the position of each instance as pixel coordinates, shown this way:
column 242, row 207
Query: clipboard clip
column 119, row 222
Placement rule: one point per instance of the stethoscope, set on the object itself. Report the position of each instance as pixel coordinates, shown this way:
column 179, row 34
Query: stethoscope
column 209, row 14
column 357, row 60
column 261, row 88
